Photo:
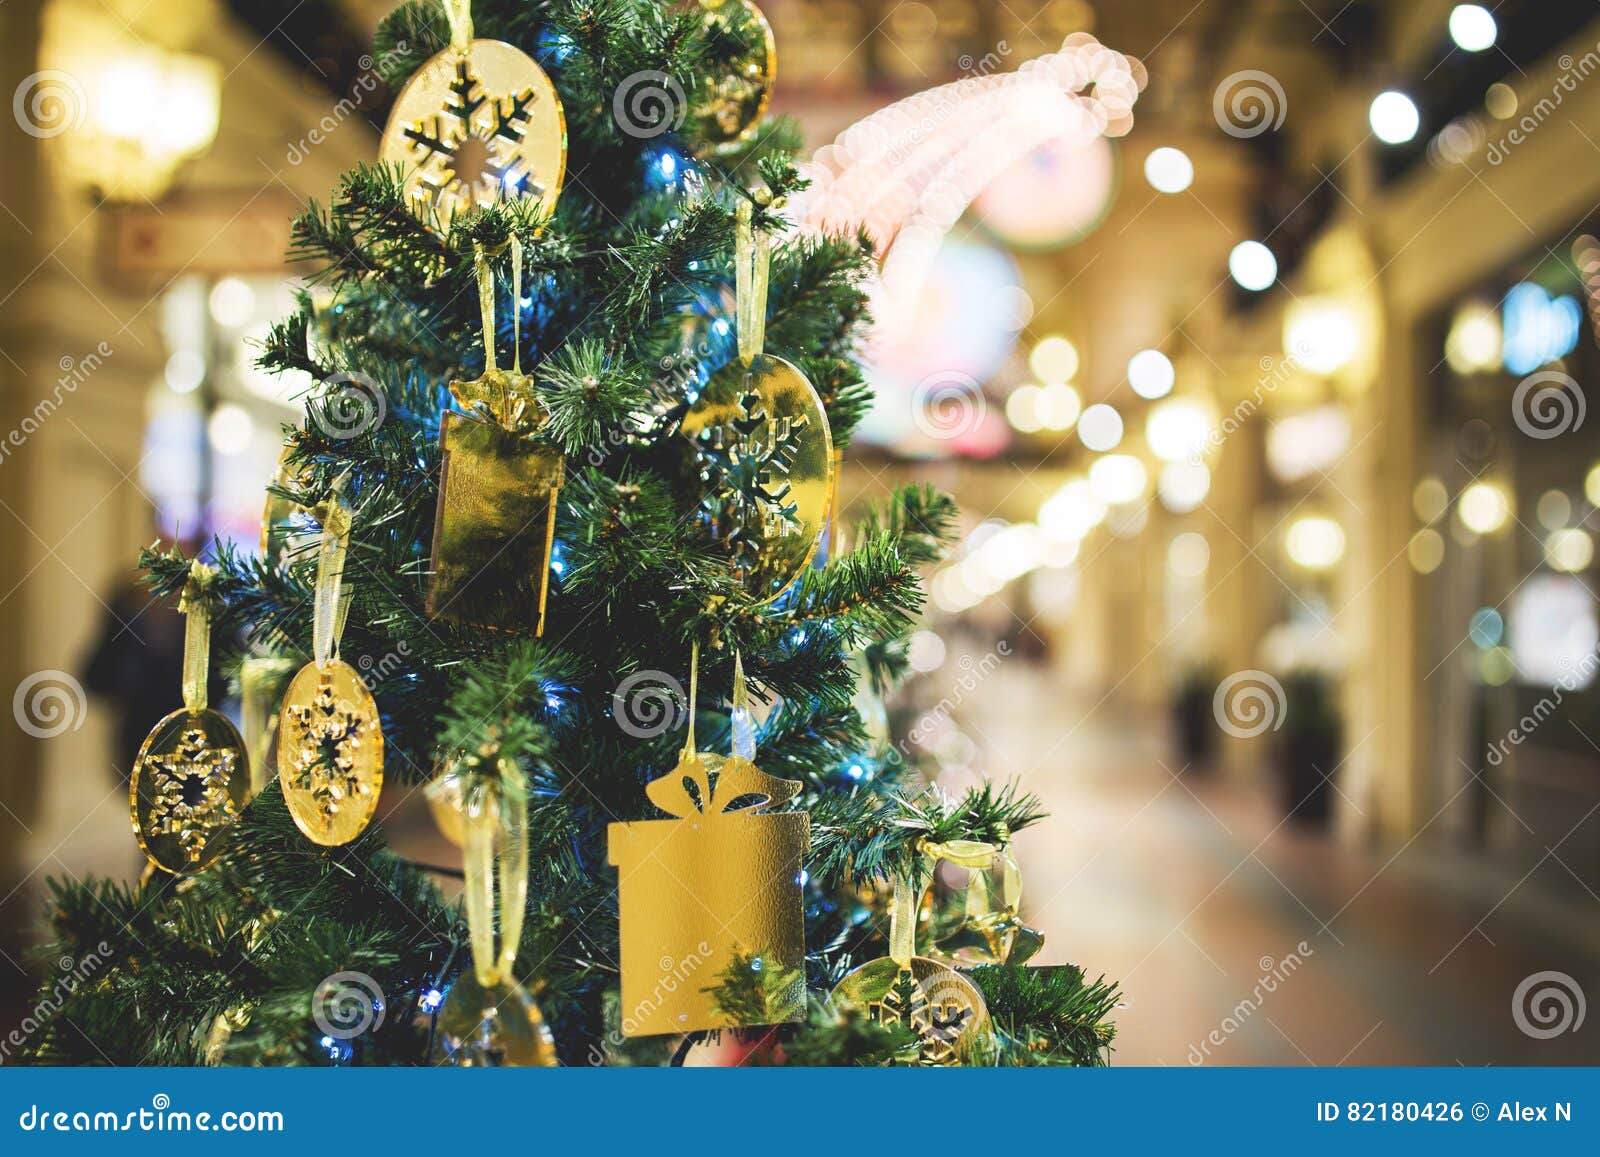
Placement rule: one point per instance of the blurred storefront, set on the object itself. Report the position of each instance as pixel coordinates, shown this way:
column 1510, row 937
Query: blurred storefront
column 150, row 177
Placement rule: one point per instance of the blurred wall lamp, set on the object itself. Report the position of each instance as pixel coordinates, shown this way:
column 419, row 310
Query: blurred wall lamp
column 148, row 111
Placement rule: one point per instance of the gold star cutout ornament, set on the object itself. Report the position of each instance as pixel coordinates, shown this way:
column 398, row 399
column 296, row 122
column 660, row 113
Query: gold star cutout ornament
column 191, row 779
column 478, row 122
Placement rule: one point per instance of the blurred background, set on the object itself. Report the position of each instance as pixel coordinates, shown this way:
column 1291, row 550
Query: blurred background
column 1264, row 396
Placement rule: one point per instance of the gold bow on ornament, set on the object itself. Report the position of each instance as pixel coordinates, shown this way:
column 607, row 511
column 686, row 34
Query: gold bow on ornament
column 690, row 790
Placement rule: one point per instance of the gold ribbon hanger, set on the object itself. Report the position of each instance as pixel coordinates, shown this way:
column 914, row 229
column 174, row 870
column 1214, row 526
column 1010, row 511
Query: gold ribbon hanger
column 195, row 605
column 331, row 600
column 496, row 831
column 459, row 15
column 976, row 856
column 752, row 270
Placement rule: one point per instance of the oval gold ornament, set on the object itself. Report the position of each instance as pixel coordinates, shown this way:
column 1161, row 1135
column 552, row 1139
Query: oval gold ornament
column 330, row 753
column 472, row 127
column 190, row 783
column 768, row 409
column 734, row 104
column 942, row 1008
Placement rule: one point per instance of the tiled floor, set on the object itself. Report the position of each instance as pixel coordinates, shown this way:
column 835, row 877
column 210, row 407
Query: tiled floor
column 1239, row 940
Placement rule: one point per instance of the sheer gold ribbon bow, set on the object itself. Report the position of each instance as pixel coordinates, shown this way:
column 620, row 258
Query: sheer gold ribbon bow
column 496, row 833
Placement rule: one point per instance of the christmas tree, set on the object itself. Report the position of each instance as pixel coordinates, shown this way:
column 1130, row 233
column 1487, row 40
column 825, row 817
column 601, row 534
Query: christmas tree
column 613, row 288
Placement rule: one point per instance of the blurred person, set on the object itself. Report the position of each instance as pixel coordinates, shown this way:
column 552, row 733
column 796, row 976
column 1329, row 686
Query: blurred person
column 136, row 664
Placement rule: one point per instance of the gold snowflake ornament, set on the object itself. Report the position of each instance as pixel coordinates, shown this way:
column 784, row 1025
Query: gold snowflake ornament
column 473, row 127
column 330, row 752
column 192, row 800
column 190, row 782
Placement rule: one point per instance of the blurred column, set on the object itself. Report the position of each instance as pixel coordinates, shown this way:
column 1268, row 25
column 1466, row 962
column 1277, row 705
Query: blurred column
column 19, row 255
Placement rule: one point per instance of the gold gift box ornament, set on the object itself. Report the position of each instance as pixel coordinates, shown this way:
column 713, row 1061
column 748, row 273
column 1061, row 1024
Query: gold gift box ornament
column 718, row 883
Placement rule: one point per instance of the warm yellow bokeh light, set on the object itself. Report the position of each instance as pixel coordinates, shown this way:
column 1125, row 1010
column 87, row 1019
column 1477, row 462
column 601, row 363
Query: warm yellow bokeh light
column 1569, row 550
column 1059, row 406
column 1315, row 543
column 1430, row 500
column 1426, row 551
column 1054, row 359
column 1117, row 478
column 1483, row 508
column 1022, row 409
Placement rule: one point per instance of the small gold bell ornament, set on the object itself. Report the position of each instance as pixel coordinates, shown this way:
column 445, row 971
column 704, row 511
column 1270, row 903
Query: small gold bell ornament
column 488, row 1019
column 191, row 779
